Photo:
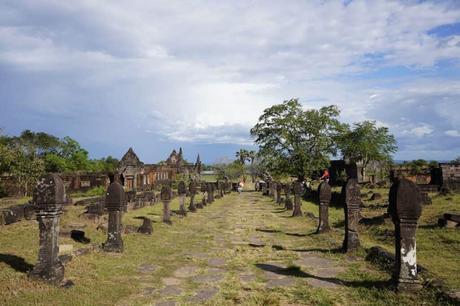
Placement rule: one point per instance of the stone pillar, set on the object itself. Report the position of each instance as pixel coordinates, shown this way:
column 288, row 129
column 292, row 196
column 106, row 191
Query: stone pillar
column 165, row 196
column 351, row 200
column 115, row 200
column 48, row 198
column 275, row 196
column 269, row 188
column 182, row 191
column 220, row 186
column 263, row 188
column 288, row 202
column 210, row 193
column 192, row 190
column 298, row 190
column 405, row 209
column 204, row 195
column 324, row 194
column 279, row 188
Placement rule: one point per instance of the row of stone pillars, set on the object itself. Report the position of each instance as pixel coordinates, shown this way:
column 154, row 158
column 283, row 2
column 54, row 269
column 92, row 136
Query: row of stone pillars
column 405, row 209
column 49, row 199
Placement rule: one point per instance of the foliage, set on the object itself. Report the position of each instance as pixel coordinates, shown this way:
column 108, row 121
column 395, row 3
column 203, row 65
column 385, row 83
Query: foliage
column 366, row 142
column 233, row 170
column 295, row 141
column 96, row 191
column 27, row 156
column 420, row 165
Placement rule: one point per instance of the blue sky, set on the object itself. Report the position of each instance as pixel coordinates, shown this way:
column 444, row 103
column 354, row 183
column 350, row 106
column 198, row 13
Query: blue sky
column 156, row 75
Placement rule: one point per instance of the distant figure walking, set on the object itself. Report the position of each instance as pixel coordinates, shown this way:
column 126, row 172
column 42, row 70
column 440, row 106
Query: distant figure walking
column 325, row 176
column 240, row 186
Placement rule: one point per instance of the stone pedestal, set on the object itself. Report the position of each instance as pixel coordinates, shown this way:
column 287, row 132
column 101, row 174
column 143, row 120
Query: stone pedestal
column 114, row 202
column 279, row 189
column 288, row 201
column 405, row 209
column 210, row 193
column 298, row 190
column 165, row 197
column 49, row 198
column 192, row 190
column 182, row 191
column 325, row 194
column 351, row 200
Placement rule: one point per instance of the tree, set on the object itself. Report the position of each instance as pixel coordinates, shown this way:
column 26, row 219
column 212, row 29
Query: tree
column 252, row 157
column 242, row 155
column 295, row 141
column 366, row 142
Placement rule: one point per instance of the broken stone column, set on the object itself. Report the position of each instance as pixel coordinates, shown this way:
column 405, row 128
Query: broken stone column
column 182, row 192
column 405, row 209
column 351, row 200
column 325, row 195
column 48, row 198
column 115, row 200
column 288, row 202
column 279, row 188
column 165, row 197
column 192, row 190
column 298, row 190
column 204, row 195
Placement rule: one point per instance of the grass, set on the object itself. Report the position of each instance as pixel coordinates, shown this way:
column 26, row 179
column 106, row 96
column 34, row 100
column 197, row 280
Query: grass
column 224, row 230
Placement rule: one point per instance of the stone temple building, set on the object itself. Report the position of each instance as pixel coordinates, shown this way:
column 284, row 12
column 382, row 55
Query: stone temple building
column 137, row 175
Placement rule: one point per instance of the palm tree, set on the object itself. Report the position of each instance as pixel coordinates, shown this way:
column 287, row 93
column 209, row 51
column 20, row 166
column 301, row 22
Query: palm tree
column 242, row 155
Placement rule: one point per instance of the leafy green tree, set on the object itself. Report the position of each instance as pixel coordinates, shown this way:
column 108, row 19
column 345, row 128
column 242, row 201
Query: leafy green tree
column 366, row 142
column 295, row 141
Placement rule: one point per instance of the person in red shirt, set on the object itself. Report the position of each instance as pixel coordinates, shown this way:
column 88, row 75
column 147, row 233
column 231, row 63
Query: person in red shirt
column 325, row 176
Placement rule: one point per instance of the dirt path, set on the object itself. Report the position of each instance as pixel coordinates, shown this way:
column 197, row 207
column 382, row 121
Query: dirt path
column 253, row 253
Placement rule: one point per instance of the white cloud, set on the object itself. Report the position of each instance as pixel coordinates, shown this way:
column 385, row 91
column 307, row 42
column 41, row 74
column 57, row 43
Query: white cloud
column 452, row 133
column 204, row 71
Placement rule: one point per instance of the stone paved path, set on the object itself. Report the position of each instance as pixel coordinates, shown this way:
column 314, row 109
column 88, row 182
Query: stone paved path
column 249, row 246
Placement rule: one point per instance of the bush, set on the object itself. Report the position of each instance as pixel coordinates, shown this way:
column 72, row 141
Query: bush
column 93, row 192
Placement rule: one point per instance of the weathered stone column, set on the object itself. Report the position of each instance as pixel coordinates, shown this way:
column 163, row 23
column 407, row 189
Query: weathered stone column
column 298, row 190
column 115, row 200
column 165, row 196
column 220, row 186
column 288, row 202
column 275, row 196
column 48, row 198
column 210, row 193
column 182, row 191
column 351, row 200
column 405, row 209
column 279, row 188
column 269, row 188
column 263, row 188
column 324, row 194
column 204, row 195
column 192, row 190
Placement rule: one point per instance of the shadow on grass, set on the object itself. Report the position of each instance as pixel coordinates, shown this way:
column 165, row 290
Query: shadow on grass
column 263, row 230
column 297, row 272
column 334, row 250
column 17, row 263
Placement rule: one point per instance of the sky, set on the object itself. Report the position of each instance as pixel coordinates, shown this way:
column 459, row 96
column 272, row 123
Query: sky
column 158, row 75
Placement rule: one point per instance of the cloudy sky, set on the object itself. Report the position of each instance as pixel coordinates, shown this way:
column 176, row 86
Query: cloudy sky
column 161, row 74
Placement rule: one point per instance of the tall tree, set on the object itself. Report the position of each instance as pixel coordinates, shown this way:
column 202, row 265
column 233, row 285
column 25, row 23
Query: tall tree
column 295, row 141
column 242, row 155
column 366, row 142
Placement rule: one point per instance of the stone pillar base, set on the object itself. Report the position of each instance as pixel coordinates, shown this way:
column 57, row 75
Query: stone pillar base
column 50, row 274
column 408, row 286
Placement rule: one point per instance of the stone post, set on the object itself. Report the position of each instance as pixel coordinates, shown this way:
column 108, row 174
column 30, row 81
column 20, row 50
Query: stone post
column 325, row 195
column 298, row 190
column 288, row 202
column 192, row 190
column 182, row 191
column 351, row 200
column 203, row 190
column 275, row 196
column 165, row 197
column 269, row 188
column 263, row 188
column 279, row 188
column 220, row 186
column 209, row 192
column 405, row 209
column 48, row 198
column 115, row 200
